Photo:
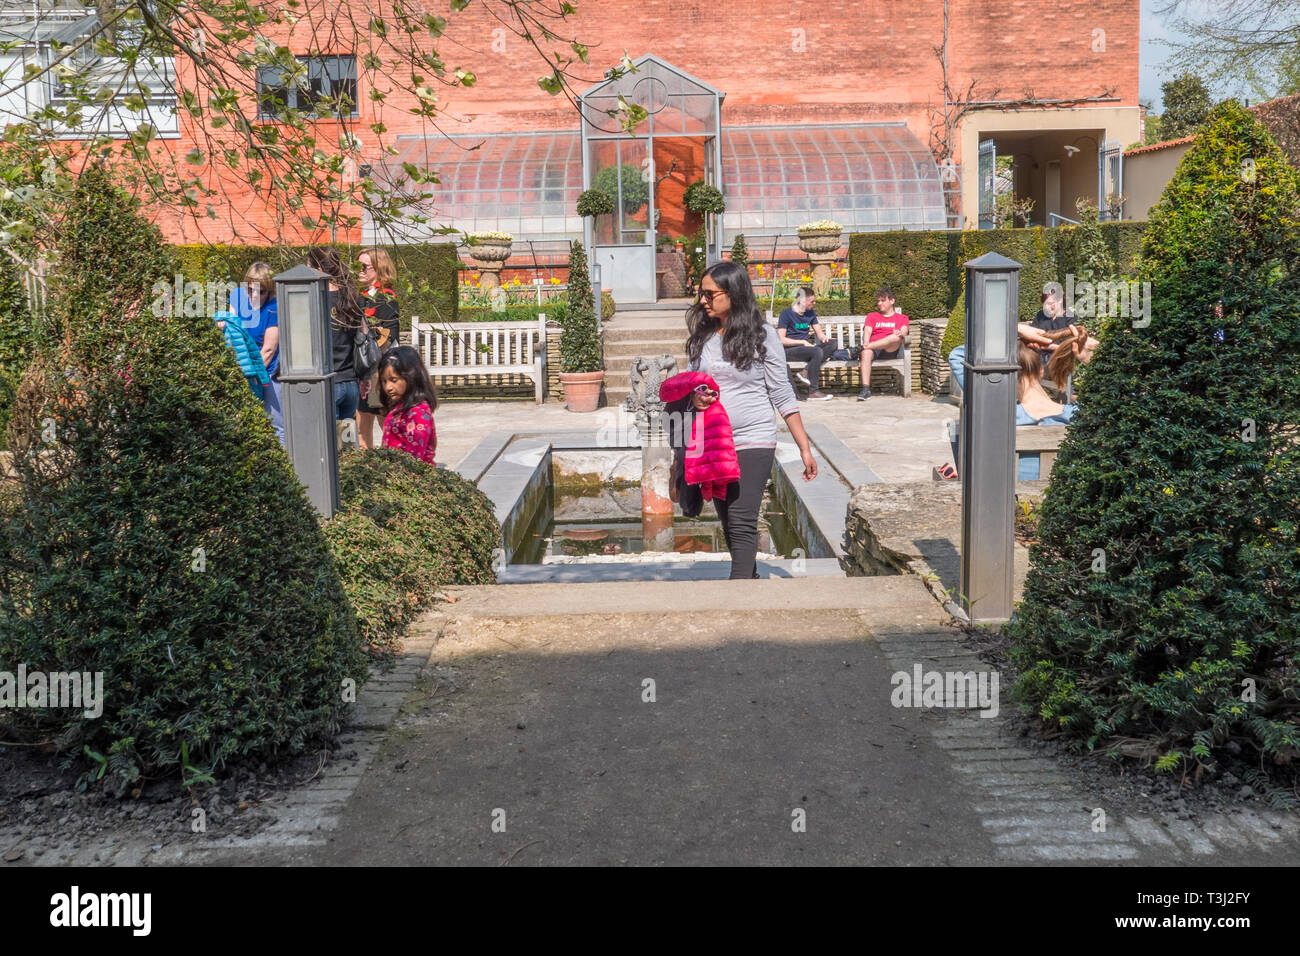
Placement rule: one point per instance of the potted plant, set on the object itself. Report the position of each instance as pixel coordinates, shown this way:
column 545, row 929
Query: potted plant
column 582, row 362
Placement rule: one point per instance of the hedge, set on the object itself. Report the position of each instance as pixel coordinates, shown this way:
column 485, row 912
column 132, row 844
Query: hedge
column 427, row 273
column 554, row 311
column 824, row 306
column 924, row 268
column 918, row 266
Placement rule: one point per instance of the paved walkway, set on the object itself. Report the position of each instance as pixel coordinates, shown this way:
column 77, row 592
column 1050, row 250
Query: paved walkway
column 711, row 722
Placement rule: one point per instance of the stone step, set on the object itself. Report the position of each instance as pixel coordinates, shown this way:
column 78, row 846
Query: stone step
column 640, row 331
column 623, row 363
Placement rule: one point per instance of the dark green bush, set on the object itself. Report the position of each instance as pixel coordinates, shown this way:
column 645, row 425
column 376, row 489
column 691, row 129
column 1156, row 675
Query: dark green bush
column 404, row 530
column 427, row 273
column 916, row 265
column 954, row 333
column 1163, row 598
column 700, row 197
column 740, row 251
column 580, row 347
column 17, row 342
column 823, row 307
column 162, row 537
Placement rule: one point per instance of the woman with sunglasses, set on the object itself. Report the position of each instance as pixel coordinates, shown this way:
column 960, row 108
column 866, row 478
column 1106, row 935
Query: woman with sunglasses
column 730, row 341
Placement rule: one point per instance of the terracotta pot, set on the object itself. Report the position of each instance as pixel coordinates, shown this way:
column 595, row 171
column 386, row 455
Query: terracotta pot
column 582, row 390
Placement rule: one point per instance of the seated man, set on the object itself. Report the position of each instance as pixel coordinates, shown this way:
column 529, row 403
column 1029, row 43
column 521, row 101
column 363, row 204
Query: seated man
column 805, row 341
column 883, row 335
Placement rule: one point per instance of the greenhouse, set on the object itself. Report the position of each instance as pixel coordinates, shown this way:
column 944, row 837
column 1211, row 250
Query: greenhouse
column 866, row 176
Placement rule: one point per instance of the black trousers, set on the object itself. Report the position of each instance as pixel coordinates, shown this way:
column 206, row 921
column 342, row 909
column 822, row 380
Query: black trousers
column 739, row 510
column 814, row 355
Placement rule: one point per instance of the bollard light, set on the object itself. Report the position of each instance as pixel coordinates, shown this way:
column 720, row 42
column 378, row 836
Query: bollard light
column 307, row 383
column 988, row 439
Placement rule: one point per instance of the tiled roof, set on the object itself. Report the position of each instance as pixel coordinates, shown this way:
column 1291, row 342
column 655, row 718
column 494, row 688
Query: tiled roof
column 1155, row 146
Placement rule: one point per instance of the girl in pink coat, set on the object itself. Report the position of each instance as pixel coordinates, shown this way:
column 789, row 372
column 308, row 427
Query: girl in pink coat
column 711, row 459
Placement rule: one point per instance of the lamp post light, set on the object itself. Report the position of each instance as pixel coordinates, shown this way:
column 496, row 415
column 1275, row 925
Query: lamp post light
column 307, row 383
column 988, row 438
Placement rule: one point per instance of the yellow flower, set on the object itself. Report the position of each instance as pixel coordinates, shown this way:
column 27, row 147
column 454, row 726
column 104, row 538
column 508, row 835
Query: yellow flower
column 805, row 278
column 759, row 269
column 1169, row 491
column 555, row 280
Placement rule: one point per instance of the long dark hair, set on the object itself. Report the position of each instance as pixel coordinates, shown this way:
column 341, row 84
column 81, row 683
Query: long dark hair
column 409, row 367
column 348, row 305
column 746, row 335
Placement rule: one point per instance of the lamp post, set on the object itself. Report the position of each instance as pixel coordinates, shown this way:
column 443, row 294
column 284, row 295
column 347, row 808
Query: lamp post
column 307, row 383
column 988, row 438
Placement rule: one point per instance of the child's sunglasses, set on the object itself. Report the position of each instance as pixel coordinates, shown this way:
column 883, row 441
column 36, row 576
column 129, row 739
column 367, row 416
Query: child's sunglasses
column 705, row 390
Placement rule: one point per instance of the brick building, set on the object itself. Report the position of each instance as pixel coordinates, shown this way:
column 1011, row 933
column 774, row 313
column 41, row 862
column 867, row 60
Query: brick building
column 879, row 114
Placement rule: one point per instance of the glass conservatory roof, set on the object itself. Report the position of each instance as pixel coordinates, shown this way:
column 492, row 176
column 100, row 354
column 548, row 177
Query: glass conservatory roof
column 678, row 104
column 867, row 177
column 526, row 184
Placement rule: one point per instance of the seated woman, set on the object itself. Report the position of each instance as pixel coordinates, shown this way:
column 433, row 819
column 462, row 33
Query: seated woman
column 1033, row 405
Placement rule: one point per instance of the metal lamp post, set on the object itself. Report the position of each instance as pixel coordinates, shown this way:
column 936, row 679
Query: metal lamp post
column 307, row 383
column 988, row 438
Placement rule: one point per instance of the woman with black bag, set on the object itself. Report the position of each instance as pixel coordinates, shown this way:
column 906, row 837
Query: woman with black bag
column 730, row 341
column 348, row 330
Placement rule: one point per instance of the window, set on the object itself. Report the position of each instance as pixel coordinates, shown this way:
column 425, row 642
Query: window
column 329, row 88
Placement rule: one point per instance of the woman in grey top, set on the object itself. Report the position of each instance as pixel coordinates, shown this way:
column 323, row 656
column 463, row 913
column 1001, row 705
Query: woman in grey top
column 730, row 341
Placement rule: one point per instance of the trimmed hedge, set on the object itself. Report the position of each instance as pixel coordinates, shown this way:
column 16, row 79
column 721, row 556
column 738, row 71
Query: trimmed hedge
column 918, row 266
column 162, row 538
column 824, row 306
column 405, row 529
column 427, row 274
column 554, row 311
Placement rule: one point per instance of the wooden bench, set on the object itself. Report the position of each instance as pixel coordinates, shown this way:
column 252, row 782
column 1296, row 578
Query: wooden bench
column 1032, row 441
column 846, row 330
column 484, row 348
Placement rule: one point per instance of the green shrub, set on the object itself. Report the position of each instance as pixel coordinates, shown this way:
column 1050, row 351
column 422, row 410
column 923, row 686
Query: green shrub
column 17, row 342
column 636, row 191
column 954, row 333
column 580, row 348
column 608, row 307
column 405, row 529
column 696, row 261
column 699, row 197
column 918, row 266
column 162, row 537
column 596, row 202
column 554, row 311
column 427, row 274
column 1166, row 577
column 1033, row 248
column 740, row 251
column 823, row 307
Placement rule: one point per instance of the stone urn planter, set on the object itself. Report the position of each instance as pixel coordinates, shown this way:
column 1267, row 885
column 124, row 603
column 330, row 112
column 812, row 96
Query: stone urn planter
column 491, row 253
column 582, row 390
column 821, row 243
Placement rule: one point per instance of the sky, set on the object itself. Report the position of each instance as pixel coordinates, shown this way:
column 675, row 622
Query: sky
column 1153, row 53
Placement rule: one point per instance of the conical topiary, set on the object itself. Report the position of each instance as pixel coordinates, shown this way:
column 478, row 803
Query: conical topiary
column 161, row 538
column 1163, row 598
column 580, row 349
column 740, row 251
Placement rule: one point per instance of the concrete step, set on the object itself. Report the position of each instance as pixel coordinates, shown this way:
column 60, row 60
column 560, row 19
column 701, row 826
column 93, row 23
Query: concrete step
column 622, row 364
column 641, row 331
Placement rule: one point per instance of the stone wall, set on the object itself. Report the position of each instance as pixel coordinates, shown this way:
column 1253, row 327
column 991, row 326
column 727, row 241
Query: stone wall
column 933, row 369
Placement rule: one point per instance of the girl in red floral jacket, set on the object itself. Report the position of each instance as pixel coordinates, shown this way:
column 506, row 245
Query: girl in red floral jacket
column 410, row 401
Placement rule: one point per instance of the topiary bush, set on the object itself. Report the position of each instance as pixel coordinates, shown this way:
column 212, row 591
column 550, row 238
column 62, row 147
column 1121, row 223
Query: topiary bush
column 161, row 536
column 1162, row 606
column 740, row 251
column 954, row 333
column 918, row 266
column 699, row 197
column 580, row 347
column 636, row 191
column 404, row 530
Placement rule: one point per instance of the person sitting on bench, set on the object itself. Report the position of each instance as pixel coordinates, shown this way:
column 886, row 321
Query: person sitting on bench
column 805, row 341
column 884, row 333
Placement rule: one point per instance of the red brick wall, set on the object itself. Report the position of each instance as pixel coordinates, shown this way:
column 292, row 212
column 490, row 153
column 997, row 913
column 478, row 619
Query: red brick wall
column 864, row 60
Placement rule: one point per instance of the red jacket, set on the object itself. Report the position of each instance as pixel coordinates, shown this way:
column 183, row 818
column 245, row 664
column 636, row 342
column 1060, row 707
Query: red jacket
column 711, row 460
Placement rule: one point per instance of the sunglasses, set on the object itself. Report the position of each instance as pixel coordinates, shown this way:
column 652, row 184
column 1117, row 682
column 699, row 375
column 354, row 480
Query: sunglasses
column 705, row 390
column 708, row 295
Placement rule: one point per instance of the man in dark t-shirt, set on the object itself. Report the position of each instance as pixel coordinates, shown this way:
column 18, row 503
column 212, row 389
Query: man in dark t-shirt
column 1052, row 317
column 804, row 341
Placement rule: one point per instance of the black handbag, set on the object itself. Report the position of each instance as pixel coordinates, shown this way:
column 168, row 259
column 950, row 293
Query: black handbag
column 365, row 352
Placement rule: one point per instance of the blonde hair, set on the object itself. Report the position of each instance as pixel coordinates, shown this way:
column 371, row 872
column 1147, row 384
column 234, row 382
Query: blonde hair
column 260, row 272
column 385, row 271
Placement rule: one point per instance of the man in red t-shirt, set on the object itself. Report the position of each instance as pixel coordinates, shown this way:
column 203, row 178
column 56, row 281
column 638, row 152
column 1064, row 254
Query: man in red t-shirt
column 883, row 335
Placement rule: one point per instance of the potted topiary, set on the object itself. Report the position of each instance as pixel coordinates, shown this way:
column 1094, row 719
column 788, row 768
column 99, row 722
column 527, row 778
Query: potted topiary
column 582, row 362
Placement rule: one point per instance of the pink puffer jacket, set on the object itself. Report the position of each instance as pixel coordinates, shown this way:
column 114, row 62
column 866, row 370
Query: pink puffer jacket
column 711, row 460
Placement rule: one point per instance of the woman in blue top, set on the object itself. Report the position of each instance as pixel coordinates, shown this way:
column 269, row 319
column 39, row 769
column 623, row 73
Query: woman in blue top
column 730, row 341
column 254, row 303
